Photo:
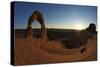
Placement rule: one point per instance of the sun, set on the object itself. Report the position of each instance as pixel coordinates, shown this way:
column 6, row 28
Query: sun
column 79, row 26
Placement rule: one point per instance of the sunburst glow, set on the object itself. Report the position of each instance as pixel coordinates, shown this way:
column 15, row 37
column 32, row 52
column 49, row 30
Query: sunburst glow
column 79, row 27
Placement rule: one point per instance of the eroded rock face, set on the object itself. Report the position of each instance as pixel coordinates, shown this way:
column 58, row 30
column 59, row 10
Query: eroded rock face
column 36, row 15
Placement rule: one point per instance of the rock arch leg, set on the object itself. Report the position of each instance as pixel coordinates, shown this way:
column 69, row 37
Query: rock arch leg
column 43, row 32
column 29, row 31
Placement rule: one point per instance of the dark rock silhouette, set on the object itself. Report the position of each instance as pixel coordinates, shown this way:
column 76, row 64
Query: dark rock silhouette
column 91, row 28
column 36, row 15
column 83, row 50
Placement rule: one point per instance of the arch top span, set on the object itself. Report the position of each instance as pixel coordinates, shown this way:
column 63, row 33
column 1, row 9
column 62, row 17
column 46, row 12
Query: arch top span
column 36, row 15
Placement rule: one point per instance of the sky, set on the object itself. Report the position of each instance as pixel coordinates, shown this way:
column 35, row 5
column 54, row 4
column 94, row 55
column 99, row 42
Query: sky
column 57, row 16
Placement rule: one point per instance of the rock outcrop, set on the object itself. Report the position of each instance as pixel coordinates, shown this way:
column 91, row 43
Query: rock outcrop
column 91, row 28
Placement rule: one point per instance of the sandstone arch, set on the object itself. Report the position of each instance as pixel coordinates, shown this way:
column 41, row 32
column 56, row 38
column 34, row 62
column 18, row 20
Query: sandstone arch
column 36, row 15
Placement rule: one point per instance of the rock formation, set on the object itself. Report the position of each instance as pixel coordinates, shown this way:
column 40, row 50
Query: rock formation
column 36, row 15
column 91, row 28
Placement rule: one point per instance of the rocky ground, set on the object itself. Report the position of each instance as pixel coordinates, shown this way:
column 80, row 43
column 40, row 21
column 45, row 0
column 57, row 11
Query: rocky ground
column 38, row 51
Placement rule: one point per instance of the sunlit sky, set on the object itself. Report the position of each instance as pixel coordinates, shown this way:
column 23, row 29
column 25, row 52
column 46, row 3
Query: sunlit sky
column 55, row 16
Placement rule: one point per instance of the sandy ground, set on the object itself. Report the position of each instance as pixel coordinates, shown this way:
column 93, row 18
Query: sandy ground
column 37, row 51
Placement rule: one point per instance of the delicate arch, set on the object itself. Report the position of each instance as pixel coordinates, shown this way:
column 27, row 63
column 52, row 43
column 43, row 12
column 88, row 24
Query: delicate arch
column 36, row 15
